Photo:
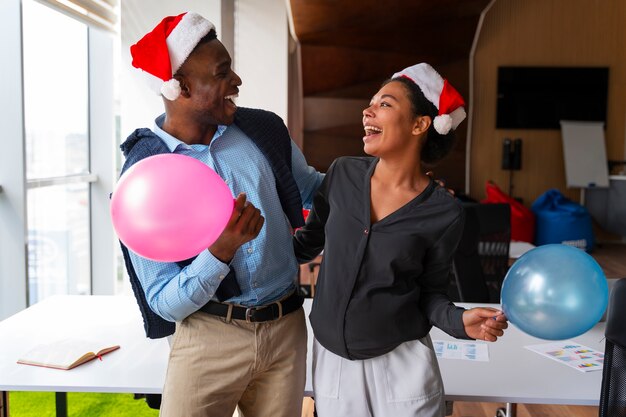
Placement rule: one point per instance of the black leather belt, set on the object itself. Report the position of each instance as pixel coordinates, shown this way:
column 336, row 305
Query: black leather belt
column 267, row 312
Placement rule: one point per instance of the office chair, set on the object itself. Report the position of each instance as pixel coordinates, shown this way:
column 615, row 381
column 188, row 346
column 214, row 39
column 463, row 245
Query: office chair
column 493, row 244
column 468, row 284
column 482, row 258
column 613, row 393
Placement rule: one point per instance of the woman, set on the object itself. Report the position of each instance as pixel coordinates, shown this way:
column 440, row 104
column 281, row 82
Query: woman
column 389, row 233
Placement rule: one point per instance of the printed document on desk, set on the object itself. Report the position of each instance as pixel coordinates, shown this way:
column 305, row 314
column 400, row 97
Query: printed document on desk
column 470, row 351
column 572, row 354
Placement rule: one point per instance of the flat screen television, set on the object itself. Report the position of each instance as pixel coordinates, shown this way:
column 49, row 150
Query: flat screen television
column 539, row 97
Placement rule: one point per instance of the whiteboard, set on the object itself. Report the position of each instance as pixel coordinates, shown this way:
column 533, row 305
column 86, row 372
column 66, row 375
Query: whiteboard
column 584, row 152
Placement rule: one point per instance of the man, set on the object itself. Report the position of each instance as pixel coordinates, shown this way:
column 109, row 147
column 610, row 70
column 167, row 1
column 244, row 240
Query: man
column 240, row 330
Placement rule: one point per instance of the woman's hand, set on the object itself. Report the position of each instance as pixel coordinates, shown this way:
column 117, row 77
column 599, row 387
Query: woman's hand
column 484, row 323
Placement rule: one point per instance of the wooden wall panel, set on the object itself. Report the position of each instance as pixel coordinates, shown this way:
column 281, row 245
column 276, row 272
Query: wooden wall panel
column 544, row 33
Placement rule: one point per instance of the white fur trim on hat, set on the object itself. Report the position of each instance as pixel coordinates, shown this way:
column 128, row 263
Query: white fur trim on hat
column 185, row 36
column 426, row 78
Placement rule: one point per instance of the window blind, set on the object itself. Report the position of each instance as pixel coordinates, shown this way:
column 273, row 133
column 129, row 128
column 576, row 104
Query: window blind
column 100, row 13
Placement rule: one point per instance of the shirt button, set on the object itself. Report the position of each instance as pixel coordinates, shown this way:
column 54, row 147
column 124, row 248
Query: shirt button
column 250, row 250
column 254, row 284
column 221, row 276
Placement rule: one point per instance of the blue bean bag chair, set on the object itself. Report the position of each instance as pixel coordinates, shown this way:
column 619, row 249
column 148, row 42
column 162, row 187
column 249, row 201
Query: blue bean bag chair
column 560, row 220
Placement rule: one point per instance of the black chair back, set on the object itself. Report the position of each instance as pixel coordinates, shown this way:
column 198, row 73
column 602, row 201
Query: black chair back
column 468, row 284
column 482, row 258
column 613, row 393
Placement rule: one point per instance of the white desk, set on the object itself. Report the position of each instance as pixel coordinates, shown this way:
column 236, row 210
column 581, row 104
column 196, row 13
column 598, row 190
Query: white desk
column 513, row 374
column 137, row 367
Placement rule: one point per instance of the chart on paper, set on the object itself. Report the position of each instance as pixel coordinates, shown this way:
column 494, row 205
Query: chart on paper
column 572, row 354
column 470, row 351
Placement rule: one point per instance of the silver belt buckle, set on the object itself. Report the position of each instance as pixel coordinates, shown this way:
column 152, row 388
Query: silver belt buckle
column 249, row 312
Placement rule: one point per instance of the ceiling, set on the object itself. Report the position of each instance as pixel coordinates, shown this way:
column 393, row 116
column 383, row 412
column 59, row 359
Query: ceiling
column 348, row 42
column 433, row 26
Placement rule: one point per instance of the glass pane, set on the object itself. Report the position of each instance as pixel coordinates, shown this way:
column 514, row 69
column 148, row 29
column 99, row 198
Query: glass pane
column 59, row 254
column 56, row 104
column 55, row 93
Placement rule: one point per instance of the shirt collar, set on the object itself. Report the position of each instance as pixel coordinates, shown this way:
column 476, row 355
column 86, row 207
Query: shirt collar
column 174, row 143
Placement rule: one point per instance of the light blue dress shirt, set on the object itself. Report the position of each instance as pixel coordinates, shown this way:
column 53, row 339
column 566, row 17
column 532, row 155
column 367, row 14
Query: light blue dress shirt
column 266, row 266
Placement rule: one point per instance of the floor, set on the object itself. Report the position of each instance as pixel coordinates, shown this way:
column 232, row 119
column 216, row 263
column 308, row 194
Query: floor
column 467, row 409
column 612, row 258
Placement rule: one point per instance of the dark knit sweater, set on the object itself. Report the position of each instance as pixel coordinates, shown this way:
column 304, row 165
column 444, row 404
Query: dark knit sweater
column 270, row 135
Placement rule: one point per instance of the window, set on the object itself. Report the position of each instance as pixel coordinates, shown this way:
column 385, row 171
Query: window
column 56, row 103
column 57, row 160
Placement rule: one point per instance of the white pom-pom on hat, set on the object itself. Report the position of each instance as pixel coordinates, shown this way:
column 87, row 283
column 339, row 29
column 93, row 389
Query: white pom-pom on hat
column 440, row 92
column 443, row 124
column 161, row 52
column 171, row 89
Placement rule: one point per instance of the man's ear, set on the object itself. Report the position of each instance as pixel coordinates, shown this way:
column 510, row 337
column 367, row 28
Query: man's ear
column 184, row 87
column 421, row 125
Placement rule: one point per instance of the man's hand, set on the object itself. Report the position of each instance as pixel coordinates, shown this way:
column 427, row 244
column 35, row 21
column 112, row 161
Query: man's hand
column 244, row 225
column 484, row 323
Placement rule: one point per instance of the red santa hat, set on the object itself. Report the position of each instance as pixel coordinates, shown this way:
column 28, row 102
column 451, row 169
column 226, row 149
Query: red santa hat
column 161, row 52
column 440, row 92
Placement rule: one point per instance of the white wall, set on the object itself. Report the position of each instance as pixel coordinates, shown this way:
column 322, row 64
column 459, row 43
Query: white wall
column 261, row 58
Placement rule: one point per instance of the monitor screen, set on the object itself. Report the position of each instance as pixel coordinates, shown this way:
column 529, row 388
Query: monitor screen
column 539, row 97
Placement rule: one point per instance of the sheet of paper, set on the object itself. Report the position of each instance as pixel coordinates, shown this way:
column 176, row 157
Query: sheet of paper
column 470, row 351
column 517, row 248
column 572, row 354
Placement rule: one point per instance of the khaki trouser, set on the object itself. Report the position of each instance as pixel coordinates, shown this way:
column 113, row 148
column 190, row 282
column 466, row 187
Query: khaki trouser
column 215, row 366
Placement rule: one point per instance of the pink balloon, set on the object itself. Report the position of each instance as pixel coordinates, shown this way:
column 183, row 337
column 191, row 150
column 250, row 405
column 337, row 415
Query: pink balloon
column 170, row 207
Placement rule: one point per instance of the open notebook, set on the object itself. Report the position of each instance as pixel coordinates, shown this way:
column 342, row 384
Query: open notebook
column 65, row 354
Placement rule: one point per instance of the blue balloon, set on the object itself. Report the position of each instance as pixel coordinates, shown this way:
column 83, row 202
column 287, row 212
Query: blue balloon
column 555, row 292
